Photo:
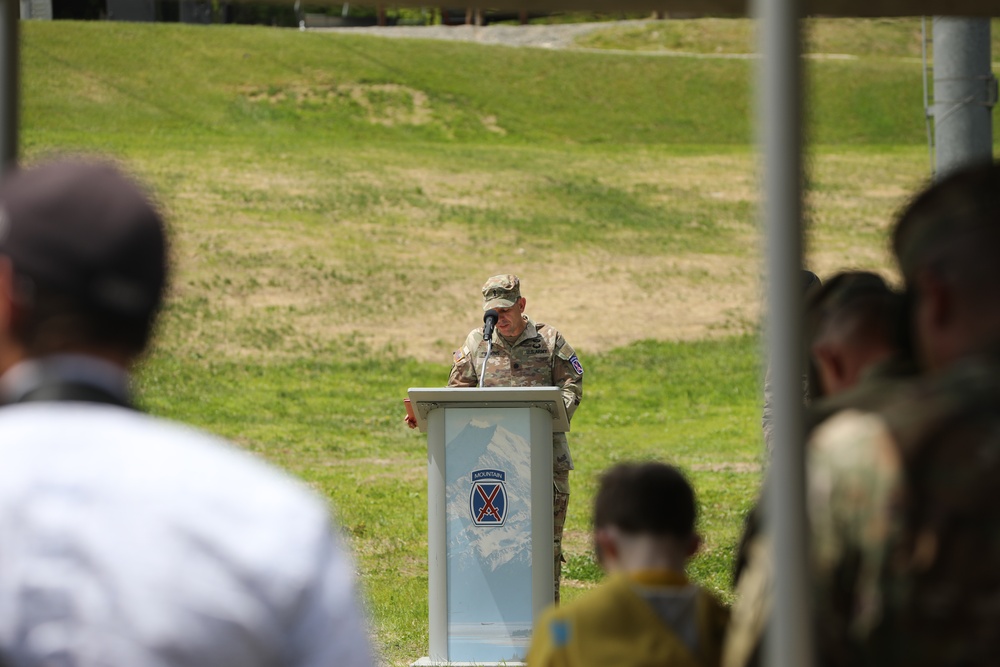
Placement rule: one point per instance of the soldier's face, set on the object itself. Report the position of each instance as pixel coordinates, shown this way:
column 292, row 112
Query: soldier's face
column 510, row 322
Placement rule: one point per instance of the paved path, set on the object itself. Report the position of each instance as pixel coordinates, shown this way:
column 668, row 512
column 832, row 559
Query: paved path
column 559, row 36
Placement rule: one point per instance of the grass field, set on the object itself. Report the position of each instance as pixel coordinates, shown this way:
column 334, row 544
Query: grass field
column 336, row 202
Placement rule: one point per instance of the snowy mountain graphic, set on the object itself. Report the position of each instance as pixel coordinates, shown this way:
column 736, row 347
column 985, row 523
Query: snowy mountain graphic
column 477, row 447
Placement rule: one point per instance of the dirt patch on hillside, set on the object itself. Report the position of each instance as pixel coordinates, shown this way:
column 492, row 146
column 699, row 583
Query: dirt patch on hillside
column 386, row 104
column 398, row 265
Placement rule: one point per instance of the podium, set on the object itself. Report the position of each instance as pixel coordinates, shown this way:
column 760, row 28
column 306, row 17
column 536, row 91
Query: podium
column 489, row 515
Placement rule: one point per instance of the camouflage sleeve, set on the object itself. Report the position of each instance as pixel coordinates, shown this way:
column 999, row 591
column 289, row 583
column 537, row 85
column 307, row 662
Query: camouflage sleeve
column 854, row 487
column 567, row 374
column 463, row 369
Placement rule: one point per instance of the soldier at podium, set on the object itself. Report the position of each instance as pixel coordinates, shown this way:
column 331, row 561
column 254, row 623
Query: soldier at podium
column 525, row 354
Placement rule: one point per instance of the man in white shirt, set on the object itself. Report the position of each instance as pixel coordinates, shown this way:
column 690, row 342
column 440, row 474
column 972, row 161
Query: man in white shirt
column 127, row 540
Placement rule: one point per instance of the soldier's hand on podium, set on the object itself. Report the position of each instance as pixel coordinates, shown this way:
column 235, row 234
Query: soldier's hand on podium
column 410, row 418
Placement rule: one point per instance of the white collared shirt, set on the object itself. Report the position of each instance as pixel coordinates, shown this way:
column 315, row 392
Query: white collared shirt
column 130, row 541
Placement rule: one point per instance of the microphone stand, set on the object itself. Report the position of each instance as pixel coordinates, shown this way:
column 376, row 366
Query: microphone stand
column 489, row 351
column 490, row 322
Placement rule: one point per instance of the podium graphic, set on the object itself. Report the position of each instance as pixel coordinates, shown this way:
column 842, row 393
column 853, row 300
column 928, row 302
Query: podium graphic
column 489, row 495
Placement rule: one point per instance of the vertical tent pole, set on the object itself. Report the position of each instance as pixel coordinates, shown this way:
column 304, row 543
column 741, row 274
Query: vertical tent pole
column 9, row 85
column 965, row 92
column 779, row 108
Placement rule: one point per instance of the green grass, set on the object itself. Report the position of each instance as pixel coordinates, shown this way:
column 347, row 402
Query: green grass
column 335, row 202
column 338, row 425
column 865, row 38
column 225, row 82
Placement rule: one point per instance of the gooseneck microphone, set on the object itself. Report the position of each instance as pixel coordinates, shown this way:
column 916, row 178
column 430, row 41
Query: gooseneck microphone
column 490, row 318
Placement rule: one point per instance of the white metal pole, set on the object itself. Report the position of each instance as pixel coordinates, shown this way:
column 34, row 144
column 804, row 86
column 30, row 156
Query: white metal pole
column 779, row 108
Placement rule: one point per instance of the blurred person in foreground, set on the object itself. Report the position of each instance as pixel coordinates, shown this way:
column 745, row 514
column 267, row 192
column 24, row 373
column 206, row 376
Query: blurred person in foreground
column 901, row 496
column 129, row 540
column 858, row 347
column 646, row 612
column 855, row 354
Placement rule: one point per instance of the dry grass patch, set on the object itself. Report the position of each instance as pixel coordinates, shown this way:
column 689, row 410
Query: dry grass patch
column 315, row 258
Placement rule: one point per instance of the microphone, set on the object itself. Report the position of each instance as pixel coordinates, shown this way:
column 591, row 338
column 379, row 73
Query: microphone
column 490, row 318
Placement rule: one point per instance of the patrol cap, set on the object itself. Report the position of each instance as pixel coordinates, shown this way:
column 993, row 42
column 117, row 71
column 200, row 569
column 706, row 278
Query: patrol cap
column 501, row 291
column 82, row 229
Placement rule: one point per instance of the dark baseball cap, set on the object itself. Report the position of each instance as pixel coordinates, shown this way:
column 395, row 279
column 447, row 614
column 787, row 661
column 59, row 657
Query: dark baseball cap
column 84, row 230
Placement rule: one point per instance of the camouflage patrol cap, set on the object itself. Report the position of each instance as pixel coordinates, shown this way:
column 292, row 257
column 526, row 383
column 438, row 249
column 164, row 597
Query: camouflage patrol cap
column 962, row 208
column 501, row 291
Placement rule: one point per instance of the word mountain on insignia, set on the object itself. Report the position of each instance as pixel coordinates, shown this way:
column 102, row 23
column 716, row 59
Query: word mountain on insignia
column 488, row 500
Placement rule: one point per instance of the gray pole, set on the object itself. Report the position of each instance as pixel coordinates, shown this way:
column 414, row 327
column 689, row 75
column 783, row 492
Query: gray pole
column 779, row 110
column 964, row 92
column 9, row 85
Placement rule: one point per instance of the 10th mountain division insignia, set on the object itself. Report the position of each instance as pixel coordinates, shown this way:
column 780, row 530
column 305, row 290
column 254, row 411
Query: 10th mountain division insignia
column 488, row 500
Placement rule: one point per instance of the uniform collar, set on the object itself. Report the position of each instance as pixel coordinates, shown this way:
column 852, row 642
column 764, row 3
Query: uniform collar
column 657, row 578
column 30, row 376
column 530, row 331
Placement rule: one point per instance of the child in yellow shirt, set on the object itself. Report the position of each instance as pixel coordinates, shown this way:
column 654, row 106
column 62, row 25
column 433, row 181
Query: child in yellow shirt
column 646, row 612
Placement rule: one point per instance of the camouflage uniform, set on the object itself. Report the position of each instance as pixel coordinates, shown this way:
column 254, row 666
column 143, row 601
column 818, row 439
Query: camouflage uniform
column 753, row 576
column 901, row 496
column 540, row 357
column 904, row 520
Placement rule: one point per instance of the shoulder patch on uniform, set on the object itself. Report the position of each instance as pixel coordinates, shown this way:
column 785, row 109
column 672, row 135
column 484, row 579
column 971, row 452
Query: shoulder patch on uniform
column 566, row 351
column 576, row 364
column 560, row 631
column 459, row 355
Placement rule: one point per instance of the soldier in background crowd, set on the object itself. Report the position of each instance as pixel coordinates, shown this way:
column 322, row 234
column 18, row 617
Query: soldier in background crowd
column 852, row 333
column 901, row 498
column 859, row 348
column 646, row 612
column 129, row 540
column 526, row 354
column 810, row 283
column 851, row 330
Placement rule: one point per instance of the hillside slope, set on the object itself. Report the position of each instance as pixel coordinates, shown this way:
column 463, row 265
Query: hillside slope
column 334, row 194
column 117, row 78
